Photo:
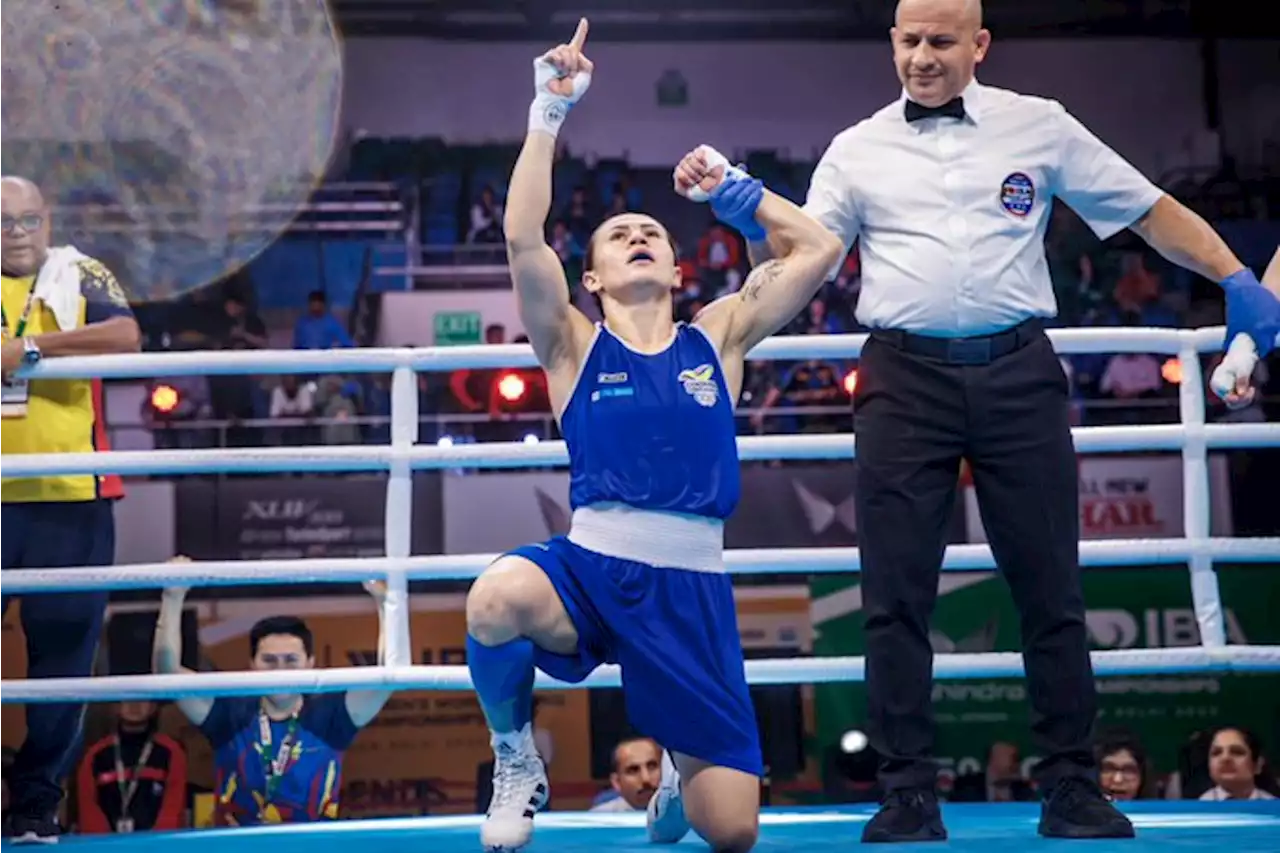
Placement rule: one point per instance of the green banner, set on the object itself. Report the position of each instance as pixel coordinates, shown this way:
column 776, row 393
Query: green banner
column 1128, row 609
column 454, row 328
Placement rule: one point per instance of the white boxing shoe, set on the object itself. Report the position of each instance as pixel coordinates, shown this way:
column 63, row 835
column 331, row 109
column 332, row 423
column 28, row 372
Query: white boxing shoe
column 520, row 790
column 665, row 818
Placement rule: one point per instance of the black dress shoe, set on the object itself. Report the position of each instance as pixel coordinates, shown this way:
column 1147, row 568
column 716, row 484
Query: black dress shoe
column 33, row 829
column 1076, row 808
column 909, row 814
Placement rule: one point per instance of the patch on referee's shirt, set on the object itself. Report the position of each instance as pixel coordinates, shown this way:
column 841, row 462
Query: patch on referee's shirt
column 1018, row 194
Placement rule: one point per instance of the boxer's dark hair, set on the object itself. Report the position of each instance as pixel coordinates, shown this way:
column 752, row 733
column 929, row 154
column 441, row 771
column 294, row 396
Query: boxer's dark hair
column 288, row 625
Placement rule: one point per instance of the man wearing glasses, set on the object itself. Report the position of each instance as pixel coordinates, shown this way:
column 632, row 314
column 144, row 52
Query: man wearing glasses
column 56, row 302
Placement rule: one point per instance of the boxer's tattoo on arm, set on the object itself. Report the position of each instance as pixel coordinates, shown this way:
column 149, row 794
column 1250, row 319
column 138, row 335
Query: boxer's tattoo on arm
column 760, row 277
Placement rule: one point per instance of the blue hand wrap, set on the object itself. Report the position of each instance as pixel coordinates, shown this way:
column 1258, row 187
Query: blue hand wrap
column 734, row 203
column 1252, row 310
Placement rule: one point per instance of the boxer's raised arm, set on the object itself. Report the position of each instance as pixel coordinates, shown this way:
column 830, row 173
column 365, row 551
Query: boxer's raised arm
column 777, row 290
column 554, row 326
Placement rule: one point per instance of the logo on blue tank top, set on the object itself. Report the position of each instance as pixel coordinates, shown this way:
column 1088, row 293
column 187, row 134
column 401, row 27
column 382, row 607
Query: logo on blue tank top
column 700, row 384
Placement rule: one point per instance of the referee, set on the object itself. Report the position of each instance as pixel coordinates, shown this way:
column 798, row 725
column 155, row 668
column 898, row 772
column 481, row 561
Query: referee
column 56, row 303
column 949, row 190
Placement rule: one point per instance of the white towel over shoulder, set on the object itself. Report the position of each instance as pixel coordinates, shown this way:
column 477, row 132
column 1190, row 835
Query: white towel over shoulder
column 58, row 285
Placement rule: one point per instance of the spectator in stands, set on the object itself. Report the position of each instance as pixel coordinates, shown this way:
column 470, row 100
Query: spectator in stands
column 293, row 398
column 1128, row 377
column 821, row 321
column 637, row 770
column 1237, row 767
column 473, row 388
column 133, row 779
column 579, row 216
column 240, row 328
column 617, row 204
column 632, row 197
column 277, row 758
column 1123, row 770
column 232, row 396
column 1137, row 297
column 719, row 260
column 318, row 328
column 486, row 219
column 336, row 400
column 809, row 384
column 1000, row 782
column 570, row 251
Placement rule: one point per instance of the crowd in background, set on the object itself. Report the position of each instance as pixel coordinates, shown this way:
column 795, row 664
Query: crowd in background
column 1117, row 283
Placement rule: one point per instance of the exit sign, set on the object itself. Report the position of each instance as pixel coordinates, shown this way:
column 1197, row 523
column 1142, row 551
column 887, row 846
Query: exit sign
column 453, row 328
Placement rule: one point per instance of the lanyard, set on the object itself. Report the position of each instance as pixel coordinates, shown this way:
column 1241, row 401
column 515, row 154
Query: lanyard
column 273, row 768
column 25, row 317
column 126, row 793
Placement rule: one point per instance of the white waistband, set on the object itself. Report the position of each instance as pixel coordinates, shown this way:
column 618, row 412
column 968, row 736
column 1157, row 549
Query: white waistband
column 657, row 538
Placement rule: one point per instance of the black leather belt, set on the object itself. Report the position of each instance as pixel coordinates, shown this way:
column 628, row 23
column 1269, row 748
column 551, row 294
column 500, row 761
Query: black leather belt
column 967, row 351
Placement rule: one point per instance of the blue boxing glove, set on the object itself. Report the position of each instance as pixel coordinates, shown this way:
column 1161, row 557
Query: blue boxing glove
column 1252, row 310
column 1253, row 320
column 733, row 201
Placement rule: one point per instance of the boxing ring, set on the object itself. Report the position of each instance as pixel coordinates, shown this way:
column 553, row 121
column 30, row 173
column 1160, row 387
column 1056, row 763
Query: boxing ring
column 1239, row 827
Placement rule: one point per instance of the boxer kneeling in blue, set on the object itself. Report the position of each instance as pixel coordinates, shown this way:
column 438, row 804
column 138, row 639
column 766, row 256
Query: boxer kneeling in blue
column 646, row 409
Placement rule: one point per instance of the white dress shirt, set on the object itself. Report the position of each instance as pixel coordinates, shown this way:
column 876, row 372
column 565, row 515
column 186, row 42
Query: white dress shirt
column 952, row 212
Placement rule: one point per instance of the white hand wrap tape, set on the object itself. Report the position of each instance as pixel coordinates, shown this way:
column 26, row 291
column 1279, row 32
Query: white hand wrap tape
column 1238, row 363
column 714, row 158
column 549, row 110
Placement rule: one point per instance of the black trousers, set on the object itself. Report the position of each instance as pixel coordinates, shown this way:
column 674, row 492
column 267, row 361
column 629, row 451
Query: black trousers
column 917, row 413
column 62, row 631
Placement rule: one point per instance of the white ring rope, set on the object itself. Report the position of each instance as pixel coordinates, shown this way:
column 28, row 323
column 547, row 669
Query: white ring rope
column 825, row 670
column 1192, row 437
column 1106, row 553
column 545, row 454
column 385, row 360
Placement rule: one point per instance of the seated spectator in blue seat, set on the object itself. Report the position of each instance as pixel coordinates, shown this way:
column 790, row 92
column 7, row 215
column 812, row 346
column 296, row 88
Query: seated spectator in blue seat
column 570, row 251
column 319, row 329
column 579, row 216
column 486, row 219
column 630, row 193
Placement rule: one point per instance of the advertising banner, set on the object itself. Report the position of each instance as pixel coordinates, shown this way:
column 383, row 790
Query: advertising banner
column 794, row 506
column 288, row 518
column 1128, row 609
column 1132, row 497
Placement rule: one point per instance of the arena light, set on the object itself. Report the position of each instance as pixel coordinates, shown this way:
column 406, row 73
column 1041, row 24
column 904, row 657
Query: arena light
column 530, row 438
column 851, row 381
column 511, row 387
column 444, row 441
column 1171, row 370
column 853, row 741
column 164, row 398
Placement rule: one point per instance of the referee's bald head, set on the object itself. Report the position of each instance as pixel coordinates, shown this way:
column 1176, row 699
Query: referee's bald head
column 937, row 44
column 25, row 225
column 968, row 10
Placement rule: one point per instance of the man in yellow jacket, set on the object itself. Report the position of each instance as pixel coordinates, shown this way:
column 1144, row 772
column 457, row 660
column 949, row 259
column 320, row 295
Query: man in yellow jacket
column 56, row 303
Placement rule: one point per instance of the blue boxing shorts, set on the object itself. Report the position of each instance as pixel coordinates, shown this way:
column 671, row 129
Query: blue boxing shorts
column 675, row 634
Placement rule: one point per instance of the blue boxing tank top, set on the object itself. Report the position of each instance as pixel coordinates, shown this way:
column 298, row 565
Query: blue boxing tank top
column 653, row 432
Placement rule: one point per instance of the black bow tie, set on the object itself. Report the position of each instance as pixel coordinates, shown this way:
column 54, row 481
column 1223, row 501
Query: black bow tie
column 953, row 108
